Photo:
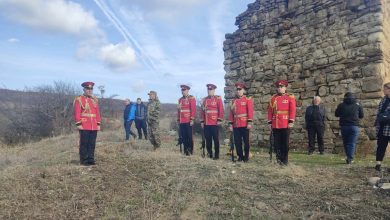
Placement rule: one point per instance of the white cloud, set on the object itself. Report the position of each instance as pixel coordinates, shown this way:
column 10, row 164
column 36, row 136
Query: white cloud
column 118, row 57
column 138, row 86
column 50, row 15
column 13, row 40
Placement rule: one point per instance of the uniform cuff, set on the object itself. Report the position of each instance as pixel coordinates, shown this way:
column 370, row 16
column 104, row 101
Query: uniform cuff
column 78, row 123
column 219, row 119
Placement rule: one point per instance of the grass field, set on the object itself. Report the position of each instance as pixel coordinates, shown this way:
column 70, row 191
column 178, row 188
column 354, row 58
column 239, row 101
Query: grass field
column 44, row 181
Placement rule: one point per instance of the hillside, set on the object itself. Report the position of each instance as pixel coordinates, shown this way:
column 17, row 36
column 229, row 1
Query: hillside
column 44, row 181
column 47, row 111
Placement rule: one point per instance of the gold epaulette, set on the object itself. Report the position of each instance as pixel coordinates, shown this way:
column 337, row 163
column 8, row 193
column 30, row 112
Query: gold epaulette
column 291, row 95
column 249, row 97
column 217, row 96
column 77, row 98
column 191, row 97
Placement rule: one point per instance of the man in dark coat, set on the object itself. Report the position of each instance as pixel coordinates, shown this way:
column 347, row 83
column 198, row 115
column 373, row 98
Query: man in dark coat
column 140, row 119
column 315, row 125
column 349, row 112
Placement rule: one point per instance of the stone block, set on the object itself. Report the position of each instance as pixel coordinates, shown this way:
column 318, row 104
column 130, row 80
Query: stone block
column 322, row 61
column 371, row 95
column 308, row 94
column 372, row 85
column 339, row 89
column 297, row 84
column 296, row 68
column 308, row 64
column 354, row 4
column 334, row 77
column 372, row 69
column 323, row 91
column 281, row 69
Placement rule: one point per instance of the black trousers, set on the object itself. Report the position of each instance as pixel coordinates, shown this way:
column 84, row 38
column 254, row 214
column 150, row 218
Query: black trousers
column 186, row 134
column 140, row 124
column 382, row 143
column 241, row 135
column 281, row 139
column 87, row 146
column 210, row 134
column 314, row 130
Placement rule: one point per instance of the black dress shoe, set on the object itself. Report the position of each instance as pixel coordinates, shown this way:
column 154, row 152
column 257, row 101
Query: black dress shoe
column 378, row 167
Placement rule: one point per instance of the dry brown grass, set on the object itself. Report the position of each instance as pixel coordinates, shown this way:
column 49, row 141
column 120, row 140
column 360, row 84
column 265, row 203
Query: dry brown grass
column 44, row 181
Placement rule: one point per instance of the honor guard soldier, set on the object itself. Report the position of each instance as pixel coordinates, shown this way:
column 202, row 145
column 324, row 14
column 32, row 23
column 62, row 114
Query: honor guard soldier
column 281, row 117
column 211, row 117
column 240, row 120
column 87, row 118
column 186, row 112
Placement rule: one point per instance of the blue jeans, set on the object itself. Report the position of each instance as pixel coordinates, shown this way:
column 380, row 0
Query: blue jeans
column 350, row 135
column 127, row 125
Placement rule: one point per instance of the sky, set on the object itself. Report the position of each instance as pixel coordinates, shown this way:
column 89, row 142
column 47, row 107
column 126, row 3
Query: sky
column 129, row 47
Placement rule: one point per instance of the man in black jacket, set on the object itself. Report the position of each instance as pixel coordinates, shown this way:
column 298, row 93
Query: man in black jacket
column 349, row 112
column 140, row 119
column 315, row 125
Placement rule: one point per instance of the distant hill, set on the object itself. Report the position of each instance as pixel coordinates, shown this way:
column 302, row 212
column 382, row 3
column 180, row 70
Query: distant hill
column 30, row 115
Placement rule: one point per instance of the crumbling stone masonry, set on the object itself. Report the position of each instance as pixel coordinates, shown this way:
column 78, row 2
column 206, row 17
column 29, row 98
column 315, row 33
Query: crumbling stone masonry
column 322, row 47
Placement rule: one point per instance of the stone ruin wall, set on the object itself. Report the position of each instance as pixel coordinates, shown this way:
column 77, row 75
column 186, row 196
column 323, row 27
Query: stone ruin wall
column 322, row 47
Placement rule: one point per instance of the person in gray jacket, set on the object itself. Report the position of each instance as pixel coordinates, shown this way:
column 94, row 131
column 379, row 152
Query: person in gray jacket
column 315, row 125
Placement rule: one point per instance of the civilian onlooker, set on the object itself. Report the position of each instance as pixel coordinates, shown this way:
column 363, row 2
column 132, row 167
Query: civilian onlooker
column 382, row 127
column 140, row 119
column 315, row 125
column 349, row 112
column 128, row 118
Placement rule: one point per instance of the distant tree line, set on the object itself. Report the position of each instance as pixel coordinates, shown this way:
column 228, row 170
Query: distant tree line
column 44, row 111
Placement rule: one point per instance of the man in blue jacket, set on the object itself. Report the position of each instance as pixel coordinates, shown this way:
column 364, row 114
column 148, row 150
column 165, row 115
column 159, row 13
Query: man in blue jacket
column 140, row 119
column 129, row 117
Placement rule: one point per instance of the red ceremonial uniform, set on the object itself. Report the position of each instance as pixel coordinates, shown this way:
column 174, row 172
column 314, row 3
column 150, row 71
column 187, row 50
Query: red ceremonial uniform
column 241, row 111
column 281, row 109
column 186, row 111
column 86, row 112
column 212, row 110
